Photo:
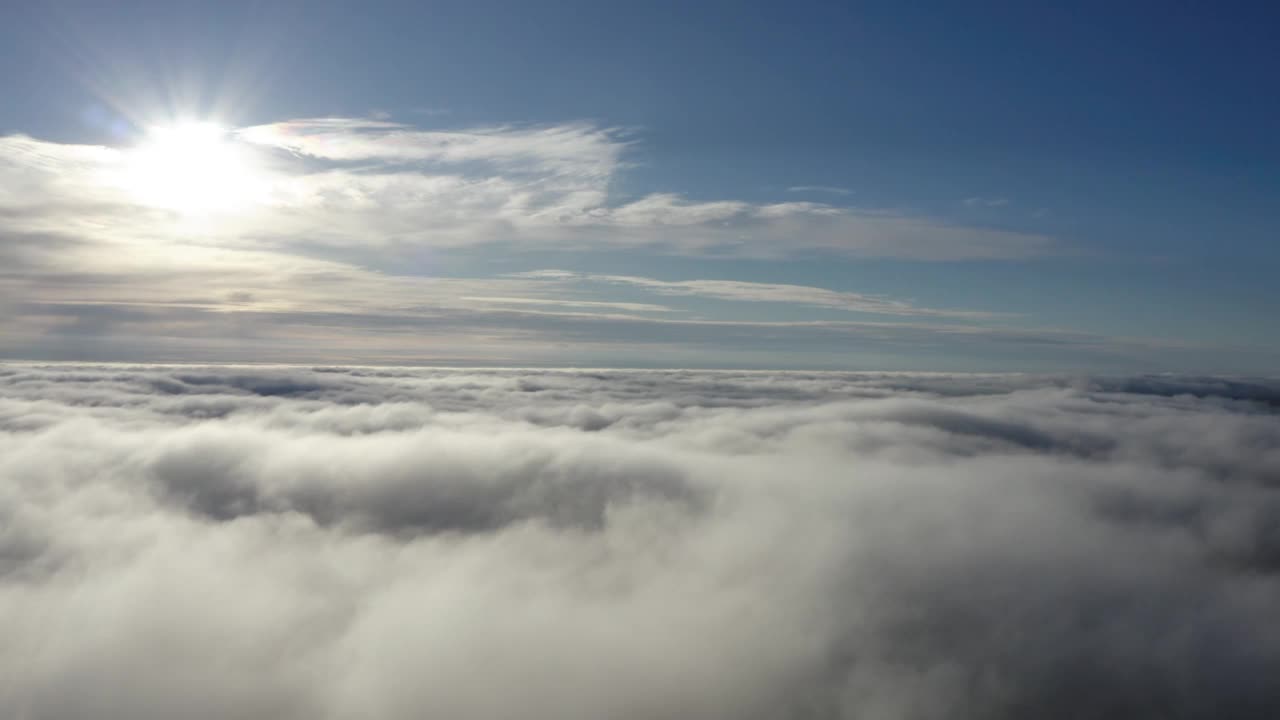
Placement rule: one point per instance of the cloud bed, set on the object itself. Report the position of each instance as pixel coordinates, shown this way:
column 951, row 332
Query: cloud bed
column 256, row 542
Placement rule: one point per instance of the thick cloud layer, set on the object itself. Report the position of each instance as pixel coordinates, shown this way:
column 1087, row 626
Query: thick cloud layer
column 335, row 543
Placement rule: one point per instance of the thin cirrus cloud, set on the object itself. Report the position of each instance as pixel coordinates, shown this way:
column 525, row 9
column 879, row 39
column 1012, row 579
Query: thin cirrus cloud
column 558, row 302
column 367, row 184
column 756, row 292
column 90, row 267
column 551, row 185
column 829, row 189
column 986, row 202
column 478, row 331
column 68, row 299
column 74, row 299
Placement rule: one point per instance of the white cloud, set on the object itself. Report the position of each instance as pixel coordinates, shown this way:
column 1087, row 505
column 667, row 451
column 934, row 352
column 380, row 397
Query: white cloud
column 64, row 299
column 368, row 184
column 625, row 306
column 88, row 270
column 738, row 290
column 252, row 542
column 829, row 189
column 990, row 202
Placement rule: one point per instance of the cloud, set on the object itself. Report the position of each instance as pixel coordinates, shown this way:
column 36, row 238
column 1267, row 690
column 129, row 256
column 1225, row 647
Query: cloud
column 331, row 543
column 575, row 149
column 986, row 202
column 66, row 299
column 367, row 185
column 588, row 304
column 337, row 261
column 365, row 317
column 820, row 189
column 737, row 290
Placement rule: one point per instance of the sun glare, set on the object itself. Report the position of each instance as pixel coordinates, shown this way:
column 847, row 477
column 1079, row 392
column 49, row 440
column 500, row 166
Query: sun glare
column 192, row 168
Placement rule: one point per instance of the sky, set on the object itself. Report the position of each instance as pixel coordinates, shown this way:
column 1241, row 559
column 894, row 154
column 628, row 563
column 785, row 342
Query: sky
column 945, row 186
column 706, row 360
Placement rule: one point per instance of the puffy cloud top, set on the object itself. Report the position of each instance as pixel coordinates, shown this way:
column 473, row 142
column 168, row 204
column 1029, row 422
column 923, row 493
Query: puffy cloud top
column 334, row 543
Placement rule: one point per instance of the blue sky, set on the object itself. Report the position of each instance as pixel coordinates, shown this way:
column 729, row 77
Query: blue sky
column 973, row 185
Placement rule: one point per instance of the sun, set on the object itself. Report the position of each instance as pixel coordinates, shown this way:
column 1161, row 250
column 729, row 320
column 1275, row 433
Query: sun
column 192, row 168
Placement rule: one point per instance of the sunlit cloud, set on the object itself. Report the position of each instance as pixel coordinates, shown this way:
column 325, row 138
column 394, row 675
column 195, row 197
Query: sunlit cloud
column 368, row 183
column 573, row 150
column 829, row 189
column 198, row 240
column 736, row 290
column 331, row 543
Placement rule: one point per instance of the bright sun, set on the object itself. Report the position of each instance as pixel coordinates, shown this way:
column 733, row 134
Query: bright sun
column 192, row 168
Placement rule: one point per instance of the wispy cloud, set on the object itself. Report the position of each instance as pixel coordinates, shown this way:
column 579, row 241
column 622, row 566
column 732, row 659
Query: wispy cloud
column 829, row 189
column 90, row 272
column 364, row 184
column 586, row 304
column 989, row 202
column 572, row 150
column 89, row 268
column 472, row 331
column 68, row 300
column 742, row 291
